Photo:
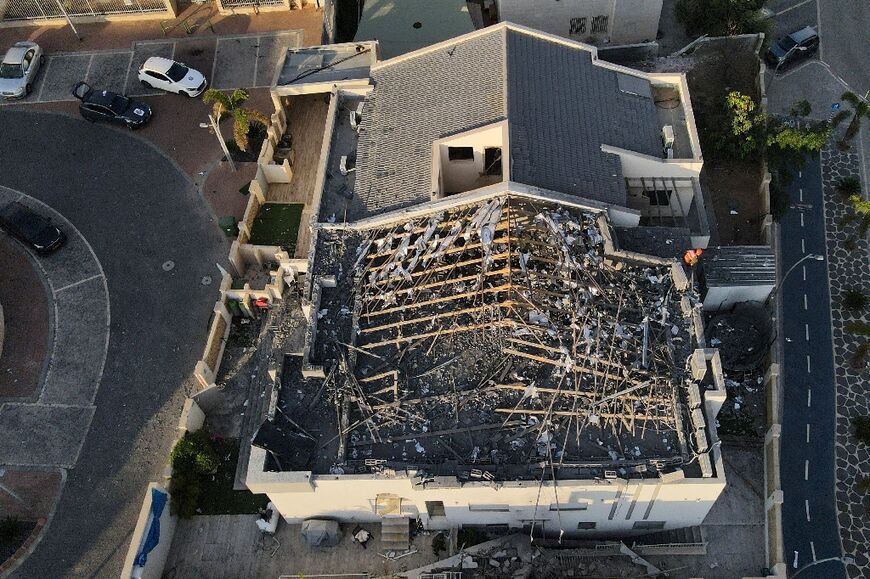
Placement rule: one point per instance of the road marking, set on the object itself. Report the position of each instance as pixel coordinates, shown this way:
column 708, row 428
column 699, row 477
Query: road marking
column 44, row 77
column 800, row 174
column 805, row 298
column 807, row 331
column 802, row 219
column 803, row 246
column 217, row 47
column 808, row 363
column 174, row 46
column 813, row 549
column 790, row 8
column 257, row 60
column 819, row 27
column 801, row 190
column 74, row 284
column 808, row 433
column 127, row 75
column 807, row 506
column 88, row 70
column 807, row 470
column 809, row 397
column 805, row 272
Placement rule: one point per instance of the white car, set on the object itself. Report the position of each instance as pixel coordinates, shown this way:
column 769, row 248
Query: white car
column 171, row 76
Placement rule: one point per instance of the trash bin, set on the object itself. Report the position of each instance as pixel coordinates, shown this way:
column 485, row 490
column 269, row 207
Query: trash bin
column 229, row 226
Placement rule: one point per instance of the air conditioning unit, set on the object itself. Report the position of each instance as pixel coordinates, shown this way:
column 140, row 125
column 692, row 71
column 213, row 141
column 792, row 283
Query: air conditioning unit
column 668, row 136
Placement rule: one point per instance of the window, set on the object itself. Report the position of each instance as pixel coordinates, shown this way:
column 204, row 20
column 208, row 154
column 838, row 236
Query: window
column 490, row 508
column 460, row 153
column 659, row 196
column 599, row 24
column 492, row 161
column 586, row 525
column 648, row 525
column 435, row 509
column 569, row 506
column 578, row 26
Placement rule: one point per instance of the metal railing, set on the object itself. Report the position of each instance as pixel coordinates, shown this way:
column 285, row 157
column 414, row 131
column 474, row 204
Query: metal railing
column 228, row 4
column 48, row 9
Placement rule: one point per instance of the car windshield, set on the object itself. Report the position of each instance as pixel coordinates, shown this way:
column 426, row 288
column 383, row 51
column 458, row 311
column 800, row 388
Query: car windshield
column 176, row 72
column 10, row 70
column 787, row 43
column 119, row 104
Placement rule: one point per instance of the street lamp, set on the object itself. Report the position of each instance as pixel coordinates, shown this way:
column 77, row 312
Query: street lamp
column 813, row 256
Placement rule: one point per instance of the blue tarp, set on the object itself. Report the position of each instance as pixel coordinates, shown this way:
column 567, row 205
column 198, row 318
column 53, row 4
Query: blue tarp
column 158, row 502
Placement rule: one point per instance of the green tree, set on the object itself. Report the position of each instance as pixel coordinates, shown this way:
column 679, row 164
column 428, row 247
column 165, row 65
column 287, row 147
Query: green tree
column 855, row 300
column 722, row 17
column 232, row 104
column 746, row 124
column 801, row 108
column 860, row 110
column 848, row 186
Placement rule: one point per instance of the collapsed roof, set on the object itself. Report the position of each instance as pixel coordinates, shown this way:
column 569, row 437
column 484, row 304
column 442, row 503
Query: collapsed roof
column 500, row 336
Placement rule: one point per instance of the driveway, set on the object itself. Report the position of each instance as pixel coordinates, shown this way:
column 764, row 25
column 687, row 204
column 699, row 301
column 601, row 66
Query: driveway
column 228, row 62
column 155, row 240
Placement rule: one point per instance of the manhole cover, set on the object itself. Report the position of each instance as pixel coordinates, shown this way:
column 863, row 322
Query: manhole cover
column 168, row 265
column 206, row 280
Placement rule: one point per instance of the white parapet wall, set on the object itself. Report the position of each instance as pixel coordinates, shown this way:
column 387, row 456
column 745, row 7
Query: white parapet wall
column 153, row 568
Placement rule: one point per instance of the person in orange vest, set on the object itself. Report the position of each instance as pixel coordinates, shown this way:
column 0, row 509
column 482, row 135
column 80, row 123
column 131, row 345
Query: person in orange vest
column 692, row 256
column 261, row 302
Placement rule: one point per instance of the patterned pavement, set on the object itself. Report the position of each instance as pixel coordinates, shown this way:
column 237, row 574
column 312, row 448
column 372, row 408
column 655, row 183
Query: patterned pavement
column 848, row 268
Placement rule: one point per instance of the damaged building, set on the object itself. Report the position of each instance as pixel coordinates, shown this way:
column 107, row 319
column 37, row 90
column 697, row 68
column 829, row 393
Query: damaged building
column 498, row 330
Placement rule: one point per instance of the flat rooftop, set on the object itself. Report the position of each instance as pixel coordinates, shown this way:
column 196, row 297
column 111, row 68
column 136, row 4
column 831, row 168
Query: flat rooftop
column 329, row 63
column 494, row 337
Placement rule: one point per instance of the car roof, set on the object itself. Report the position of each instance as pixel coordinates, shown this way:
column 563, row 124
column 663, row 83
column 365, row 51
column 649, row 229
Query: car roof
column 101, row 97
column 803, row 34
column 158, row 64
column 15, row 55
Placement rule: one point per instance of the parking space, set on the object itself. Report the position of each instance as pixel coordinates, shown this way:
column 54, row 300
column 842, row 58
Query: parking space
column 244, row 61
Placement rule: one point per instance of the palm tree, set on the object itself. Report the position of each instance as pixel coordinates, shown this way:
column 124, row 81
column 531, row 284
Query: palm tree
column 242, row 117
column 860, row 109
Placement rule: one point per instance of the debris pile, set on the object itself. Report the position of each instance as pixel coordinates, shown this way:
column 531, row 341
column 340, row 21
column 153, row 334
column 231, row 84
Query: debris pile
column 497, row 340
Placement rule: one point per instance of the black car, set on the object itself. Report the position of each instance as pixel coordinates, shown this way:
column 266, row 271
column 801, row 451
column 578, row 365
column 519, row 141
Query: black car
column 31, row 228
column 104, row 105
column 792, row 48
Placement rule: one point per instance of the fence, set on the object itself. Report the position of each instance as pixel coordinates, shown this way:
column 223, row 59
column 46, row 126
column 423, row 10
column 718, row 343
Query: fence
column 24, row 10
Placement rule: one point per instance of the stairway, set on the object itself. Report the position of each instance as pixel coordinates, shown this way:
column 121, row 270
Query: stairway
column 684, row 541
column 395, row 534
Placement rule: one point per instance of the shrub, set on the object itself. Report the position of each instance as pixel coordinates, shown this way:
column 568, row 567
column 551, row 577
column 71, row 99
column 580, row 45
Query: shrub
column 855, row 300
column 858, row 360
column 439, row 544
column 858, row 328
column 848, row 186
column 195, row 452
column 721, row 17
column 864, row 485
column 801, row 108
column 185, row 488
column 10, row 529
column 861, row 428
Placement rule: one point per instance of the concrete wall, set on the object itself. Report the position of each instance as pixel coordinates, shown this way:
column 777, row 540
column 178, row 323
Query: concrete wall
column 459, row 176
column 637, row 165
column 157, row 558
column 628, row 21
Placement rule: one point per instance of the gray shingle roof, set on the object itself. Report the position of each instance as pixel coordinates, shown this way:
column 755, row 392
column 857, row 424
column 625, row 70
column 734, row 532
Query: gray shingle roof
column 561, row 109
column 739, row 265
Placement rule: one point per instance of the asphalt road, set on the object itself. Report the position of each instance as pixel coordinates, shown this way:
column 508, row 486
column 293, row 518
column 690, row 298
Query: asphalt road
column 809, row 515
column 844, row 26
column 138, row 211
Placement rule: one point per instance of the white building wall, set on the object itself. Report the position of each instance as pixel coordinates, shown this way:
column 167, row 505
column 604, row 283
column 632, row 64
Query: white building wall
column 723, row 298
column 628, row 21
column 614, row 505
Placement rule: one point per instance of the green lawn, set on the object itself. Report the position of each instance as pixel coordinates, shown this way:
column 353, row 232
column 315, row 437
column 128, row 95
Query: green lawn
column 217, row 496
column 277, row 224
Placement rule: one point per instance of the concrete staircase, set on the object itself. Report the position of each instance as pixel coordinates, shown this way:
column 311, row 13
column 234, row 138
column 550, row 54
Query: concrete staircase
column 395, row 534
column 685, row 541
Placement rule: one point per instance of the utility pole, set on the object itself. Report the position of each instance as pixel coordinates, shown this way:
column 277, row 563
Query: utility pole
column 68, row 20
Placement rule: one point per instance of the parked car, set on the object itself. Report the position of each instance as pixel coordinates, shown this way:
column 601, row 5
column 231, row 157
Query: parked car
column 792, row 48
column 31, row 228
column 104, row 105
column 171, row 76
column 18, row 69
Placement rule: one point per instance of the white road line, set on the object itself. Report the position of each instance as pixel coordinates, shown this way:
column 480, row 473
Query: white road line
column 801, row 190
column 44, row 79
column 805, row 300
column 808, row 363
column 257, row 59
column 803, row 246
column 809, row 397
column 217, row 47
column 127, row 75
column 80, row 282
column 174, row 46
column 806, row 470
column 88, row 70
column 800, row 174
column 805, row 272
column 802, row 219
column 819, row 26
column 813, row 549
column 807, row 506
column 808, row 433
column 790, row 8
column 807, row 331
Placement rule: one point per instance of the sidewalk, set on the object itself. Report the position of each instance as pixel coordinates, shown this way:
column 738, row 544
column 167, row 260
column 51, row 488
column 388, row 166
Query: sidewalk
column 115, row 35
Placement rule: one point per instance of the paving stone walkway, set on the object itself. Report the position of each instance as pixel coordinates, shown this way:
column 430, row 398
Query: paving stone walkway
column 848, row 269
